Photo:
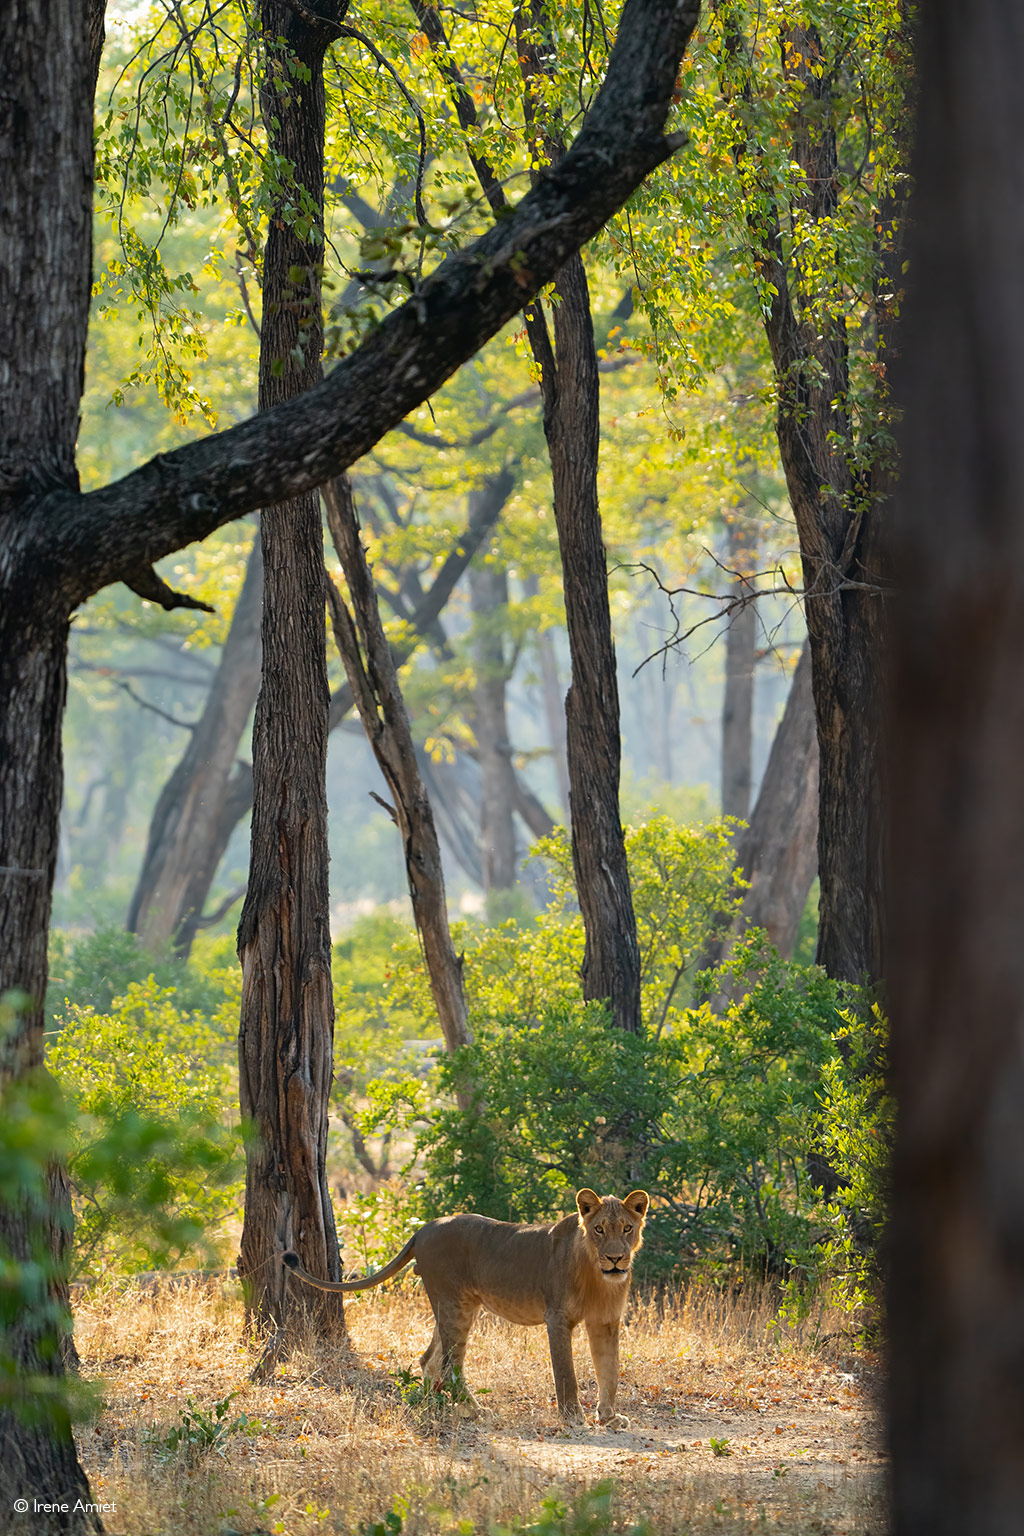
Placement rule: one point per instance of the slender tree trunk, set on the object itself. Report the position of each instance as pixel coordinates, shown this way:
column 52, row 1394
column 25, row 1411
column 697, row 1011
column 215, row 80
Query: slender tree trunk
column 956, row 744
column 285, row 1043
column 51, row 54
column 373, row 677
column 553, row 696
column 738, row 703
column 185, row 833
column 611, row 962
column 570, row 391
column 778, row 853
column 488, row 588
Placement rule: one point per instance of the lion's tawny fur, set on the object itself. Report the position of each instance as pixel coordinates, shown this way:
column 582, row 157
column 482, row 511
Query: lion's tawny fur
column 576, row 1271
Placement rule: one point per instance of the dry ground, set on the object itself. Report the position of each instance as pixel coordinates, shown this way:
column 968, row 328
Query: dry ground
column 333, row 1440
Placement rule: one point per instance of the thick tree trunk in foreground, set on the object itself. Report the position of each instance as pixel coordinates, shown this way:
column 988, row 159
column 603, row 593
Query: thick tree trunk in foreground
column 373, row 677
column 956, row 745
column 488, row 588
column 738, row 701
column 50, row 54
column 286, row 1038
column 184, row 846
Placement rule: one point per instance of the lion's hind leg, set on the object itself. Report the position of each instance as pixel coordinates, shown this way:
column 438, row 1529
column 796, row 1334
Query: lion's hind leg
column 430, row 1360
column 446, row 1352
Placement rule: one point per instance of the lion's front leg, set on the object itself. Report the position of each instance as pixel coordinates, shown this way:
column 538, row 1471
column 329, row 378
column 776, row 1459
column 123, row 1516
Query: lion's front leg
column 604, row 1351
column 566, row 1390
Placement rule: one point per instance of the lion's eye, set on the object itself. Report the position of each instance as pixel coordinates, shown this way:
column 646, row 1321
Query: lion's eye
column 599, row 1231
column 625, row 1230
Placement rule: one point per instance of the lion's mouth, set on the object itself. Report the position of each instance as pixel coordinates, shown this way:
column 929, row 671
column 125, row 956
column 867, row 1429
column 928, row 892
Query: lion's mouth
column 616, row 1273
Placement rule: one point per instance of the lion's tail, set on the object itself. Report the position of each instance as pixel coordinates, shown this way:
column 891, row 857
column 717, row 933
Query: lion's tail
column 291, row 1261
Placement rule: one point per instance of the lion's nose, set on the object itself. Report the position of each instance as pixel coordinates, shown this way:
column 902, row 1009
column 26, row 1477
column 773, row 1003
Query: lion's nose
column 615, row 1258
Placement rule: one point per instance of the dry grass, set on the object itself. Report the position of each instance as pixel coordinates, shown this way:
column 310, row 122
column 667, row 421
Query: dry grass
column 334, row 1441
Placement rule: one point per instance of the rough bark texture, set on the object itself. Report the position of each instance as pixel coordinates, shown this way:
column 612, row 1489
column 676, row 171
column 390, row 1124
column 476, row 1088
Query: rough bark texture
column 838, row 510
column 611, row 961
column 738, row 701
column 373, row 677
column 956, row 744
column 488, row 586
column 46, row 154
column 571, row 392
column 285, row 1043
column 185, row 833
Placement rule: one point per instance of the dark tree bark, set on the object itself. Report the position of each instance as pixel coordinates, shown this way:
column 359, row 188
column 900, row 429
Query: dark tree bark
column 569, row 381
column 58, row 547
column 838, row 500
column 738, row 701
column 46, row 153
column 570, row 390
column 488, row 588
column 186, row 842
column 373, row 677
column 956, row 743
column 286, row 1037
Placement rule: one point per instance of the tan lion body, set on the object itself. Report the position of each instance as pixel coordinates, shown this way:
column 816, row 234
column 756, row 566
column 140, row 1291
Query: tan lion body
column 576, row 1271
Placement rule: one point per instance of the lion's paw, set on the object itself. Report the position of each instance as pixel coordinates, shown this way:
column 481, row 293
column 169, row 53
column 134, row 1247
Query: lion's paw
column 612, row 1421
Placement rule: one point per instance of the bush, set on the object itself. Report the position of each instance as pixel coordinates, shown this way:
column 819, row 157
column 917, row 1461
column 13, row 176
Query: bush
column 153, row 1165
column 715, row 1119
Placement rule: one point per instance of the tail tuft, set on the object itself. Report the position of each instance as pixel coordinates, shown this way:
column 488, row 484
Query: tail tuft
column 291, row 1260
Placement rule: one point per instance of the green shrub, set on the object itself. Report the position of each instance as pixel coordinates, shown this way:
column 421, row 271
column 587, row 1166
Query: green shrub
column 153, row 1164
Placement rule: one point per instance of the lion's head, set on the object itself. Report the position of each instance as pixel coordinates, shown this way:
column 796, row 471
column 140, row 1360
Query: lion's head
column 614, row 1229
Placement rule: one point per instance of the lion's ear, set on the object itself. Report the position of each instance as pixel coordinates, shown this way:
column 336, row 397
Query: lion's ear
column 637, row 1202
column 587, row 1202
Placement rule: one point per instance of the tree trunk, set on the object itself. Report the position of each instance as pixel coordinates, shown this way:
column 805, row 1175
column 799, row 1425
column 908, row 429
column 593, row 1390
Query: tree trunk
column 956, row 744
column 738, row 703
column 837, row 502
column 488, row 587
column 611, row 962
column 51, row 55
column 373, row 677
column 185, row 834
column 778, row 853
column 553, row 696
column 285, row 1044
column 570, row 389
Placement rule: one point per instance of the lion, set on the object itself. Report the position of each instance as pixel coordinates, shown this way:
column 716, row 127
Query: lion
column 576, row 1271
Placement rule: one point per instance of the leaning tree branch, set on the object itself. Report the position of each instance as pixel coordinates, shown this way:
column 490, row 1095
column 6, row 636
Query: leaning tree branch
column 145, row 583
column 182, row 496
